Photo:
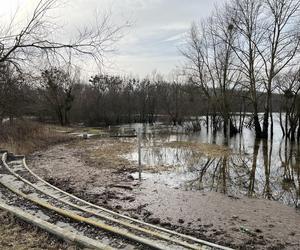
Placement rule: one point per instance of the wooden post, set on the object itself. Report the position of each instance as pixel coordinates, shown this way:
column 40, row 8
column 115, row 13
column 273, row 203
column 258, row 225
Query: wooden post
column 139, row 135
column 85, row 135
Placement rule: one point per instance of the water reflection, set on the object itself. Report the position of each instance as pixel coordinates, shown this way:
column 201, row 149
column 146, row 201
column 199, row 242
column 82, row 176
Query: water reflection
column 257, row 168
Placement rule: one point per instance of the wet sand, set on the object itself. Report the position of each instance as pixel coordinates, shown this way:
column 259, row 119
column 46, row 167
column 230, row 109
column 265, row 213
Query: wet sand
column 105, row 179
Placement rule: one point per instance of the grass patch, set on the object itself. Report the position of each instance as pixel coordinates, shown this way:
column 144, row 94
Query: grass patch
column 25, row 137
column 105, row 152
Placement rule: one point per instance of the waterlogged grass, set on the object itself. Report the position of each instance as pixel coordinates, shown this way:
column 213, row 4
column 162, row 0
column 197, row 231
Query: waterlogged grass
column 106, row 152
column 110, row 153
column 211, row 150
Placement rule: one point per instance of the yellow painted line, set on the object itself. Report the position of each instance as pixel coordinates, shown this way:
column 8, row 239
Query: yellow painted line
column 203, row 242
column 187, row 237
column 53, row 229
column 84, row 220
column 152, row 233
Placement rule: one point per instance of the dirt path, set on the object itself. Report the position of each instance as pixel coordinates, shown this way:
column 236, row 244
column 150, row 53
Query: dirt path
column 93, row 170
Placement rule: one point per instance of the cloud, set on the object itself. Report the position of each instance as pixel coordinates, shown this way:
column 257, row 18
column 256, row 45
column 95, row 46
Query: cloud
column 158, row 28
column 158, row 31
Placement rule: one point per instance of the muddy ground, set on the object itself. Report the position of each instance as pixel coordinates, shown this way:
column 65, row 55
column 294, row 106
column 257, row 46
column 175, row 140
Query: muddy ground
column 95, row 170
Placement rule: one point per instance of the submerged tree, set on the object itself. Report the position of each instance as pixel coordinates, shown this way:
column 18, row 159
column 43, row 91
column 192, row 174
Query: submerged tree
column 171, row 100
column 279, row 47
column 210, row 63
column 288, row 84
column 244, row 46
column 269, row 41
column 247, row 22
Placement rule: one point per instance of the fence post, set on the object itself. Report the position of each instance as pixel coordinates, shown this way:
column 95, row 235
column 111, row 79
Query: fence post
column 139, row 135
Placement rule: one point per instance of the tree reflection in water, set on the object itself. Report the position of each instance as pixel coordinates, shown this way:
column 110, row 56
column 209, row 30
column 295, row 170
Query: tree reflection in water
column 256, row 168
column 257, row 175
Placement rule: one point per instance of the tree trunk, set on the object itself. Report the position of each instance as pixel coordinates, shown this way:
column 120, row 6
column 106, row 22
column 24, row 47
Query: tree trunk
column 257, row 126
column 267, row 188
column 253, row 168
column 264, row 133
column 298, row 132
column 268, row 107
column 280, row 122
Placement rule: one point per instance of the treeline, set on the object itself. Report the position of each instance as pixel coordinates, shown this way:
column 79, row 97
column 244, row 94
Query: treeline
column 59, row 95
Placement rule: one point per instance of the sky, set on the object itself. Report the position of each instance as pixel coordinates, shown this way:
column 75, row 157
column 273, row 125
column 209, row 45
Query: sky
column 151, row 43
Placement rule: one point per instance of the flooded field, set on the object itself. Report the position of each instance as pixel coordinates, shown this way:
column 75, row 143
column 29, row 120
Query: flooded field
column 239, row 167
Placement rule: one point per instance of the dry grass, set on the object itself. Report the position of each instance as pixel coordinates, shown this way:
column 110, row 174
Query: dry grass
column 17, row 235
column 211, row 150
column 25, row 137
column 108, row 151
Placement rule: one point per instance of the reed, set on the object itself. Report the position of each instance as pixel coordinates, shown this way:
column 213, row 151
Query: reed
column 25, row 137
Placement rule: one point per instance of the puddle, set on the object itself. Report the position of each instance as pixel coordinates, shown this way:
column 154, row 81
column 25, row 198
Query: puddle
column 268, row 169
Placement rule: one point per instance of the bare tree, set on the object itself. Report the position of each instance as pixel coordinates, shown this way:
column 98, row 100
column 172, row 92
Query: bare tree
column 210, row 62
column 18, row 44
column 12, row 92
column 289, row 86
column 171, row 97
column 248, row 23
column 279, row 47
column 107, row 90
column 57, row 87
column 259, row 39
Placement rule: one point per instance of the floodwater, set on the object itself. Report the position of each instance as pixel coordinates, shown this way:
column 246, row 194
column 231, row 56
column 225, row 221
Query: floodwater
column 255, row 168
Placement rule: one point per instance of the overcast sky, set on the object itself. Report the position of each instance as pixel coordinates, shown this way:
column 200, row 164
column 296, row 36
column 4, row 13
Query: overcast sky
column 157, row 28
